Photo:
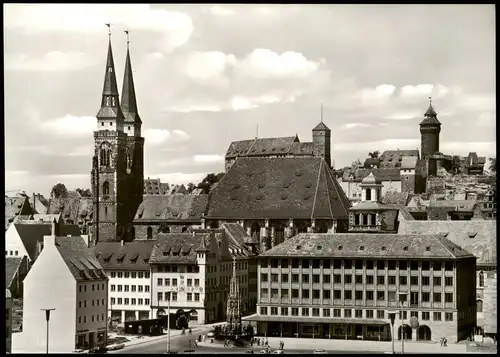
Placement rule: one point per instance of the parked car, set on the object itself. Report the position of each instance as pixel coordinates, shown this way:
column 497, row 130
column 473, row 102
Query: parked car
column 277, row 352
column 98, row 350
column 79, row 351
column 116, row 347
column 320, row 352
column 211, row 334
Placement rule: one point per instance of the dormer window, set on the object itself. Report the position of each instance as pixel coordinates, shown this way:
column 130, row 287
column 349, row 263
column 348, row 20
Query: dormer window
column 362, row 248
column 405, row 248
column 340, row 247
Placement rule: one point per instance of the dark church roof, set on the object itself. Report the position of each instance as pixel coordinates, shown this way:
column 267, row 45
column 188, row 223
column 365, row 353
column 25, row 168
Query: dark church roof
column 178, row 248
column 259, row 147
column 278, row 188
column 171, row 208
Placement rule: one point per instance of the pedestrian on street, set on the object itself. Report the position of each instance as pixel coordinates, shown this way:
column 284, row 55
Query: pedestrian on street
column 445, row 342
column 267, row 342
column 258, row 341
column 441, row 340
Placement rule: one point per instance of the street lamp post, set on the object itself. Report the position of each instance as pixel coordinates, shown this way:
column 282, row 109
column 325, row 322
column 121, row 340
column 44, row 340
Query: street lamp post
column 47, row 318
column 392, row 316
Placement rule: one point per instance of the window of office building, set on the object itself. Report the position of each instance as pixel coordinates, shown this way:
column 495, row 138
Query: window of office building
column 326, row 312
column 347, row 313
column 380, row 314
column 436, row 316
column 448, row 316
column 436, row 281
column 263, row 310
column 336, row 312
column 315, row 312
column 305, row 311
column 358, row 313
column 284, row 311
column 448, row 281
column 274, row 310
column 425, row 315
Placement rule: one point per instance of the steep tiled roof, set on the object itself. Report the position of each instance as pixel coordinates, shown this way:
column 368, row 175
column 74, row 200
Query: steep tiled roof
column 267, row 147
column 131, row 256
column 394, row 197
column 237, row 238
column 368, row 206
column 278, row 188
column 430, row 117
column 370, row 180
column 404, row 214
column 394, row 158
column 79, row 258
column 477, row 237
column 11, row 267
column 32, row 233
column 320, row 126
column 15, row 206
column 172, row 208
column 72, row 209
column 409, row 162
column 354, row 245
column 386, row 174
column 177, row 248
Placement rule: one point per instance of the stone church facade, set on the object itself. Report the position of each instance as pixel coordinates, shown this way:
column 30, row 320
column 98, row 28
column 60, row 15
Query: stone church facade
column 118, row 162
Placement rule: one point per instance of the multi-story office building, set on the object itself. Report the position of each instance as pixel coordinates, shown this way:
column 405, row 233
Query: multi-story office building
column 68, row 279
column 127, row 267
column 344, row 286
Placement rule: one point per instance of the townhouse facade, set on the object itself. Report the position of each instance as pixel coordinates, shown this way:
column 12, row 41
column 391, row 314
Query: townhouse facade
column 127, row 266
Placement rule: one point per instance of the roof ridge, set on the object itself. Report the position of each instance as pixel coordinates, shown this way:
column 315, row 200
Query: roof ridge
column 438, row 238
column 316, row 193
column 327, row 191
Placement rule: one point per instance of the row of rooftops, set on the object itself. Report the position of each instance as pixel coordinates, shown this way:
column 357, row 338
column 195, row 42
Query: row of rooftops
column 173, row 248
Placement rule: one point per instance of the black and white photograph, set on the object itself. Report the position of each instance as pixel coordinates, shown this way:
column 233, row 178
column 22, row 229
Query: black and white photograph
column 250, row 178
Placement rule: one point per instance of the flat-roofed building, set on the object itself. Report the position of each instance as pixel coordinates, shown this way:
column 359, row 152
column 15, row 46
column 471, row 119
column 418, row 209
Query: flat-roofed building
column 344, row 286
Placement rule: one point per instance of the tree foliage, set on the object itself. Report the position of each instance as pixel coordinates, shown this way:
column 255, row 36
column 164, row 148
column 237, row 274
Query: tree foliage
column 374, row 154
column 59, row 191
column 190, row 187
column 493, row 165
column 84, row 192
column 209, row 181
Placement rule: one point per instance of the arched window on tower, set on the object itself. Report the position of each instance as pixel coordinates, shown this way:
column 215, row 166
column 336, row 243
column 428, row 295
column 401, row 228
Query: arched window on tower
column 150, row 233
column 368, row 194
column 129, row 161
column 481, row 279
column 105, row 188
column 479, row 306
column 105, row 157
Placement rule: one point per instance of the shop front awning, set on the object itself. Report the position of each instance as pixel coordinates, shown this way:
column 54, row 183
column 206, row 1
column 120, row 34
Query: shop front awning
column 314, row 320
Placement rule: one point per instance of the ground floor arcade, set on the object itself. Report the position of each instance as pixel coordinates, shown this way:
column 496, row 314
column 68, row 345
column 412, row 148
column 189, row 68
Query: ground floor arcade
column 336, row 328
column 90, row 339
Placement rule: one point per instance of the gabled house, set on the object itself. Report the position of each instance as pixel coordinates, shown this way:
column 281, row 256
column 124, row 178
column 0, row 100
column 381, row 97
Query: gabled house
column 67, row 278
column 16, row 206
column 16, row 269
column 26, row 239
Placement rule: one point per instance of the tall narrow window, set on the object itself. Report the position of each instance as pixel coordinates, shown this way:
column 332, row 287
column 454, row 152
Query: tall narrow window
column 105, row 188
column 129, row 161
column 150, row 233
column 481, row 279
column 105, row 157
column 368, row 194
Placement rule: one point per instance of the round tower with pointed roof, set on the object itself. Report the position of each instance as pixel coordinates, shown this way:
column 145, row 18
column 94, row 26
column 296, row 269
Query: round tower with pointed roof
column 430, row 128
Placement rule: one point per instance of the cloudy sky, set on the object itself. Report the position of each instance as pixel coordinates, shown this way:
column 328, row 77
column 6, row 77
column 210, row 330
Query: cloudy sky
column 208, row 75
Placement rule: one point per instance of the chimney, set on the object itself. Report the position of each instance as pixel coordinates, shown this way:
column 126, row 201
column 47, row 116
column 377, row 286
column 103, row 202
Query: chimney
column 122, row 242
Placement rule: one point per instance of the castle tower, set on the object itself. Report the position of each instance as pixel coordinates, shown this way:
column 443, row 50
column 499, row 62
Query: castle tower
column 109, row 181
column 233, row 314
column 135, row 142
column 430, row 128
column 321, row 140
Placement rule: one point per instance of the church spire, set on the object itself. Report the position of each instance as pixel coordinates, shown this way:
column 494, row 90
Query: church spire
column 110, row 104
column 129, row 101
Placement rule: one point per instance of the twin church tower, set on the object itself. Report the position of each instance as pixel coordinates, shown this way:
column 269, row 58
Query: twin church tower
column 118, row 164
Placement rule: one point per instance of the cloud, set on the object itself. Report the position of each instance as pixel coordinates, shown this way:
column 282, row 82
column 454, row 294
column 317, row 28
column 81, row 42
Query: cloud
column 376, row 96
column 159, row 136
column 71, row 125
column 177, row 27
column 477, row 102
column 418, row 90
column 219, row 10
column 51, row 61
column 349, row 126
column 195, row 108
column 404, row 116
column 486, row 119
column 206, row 66
column 208, row 159
column 264, row 63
